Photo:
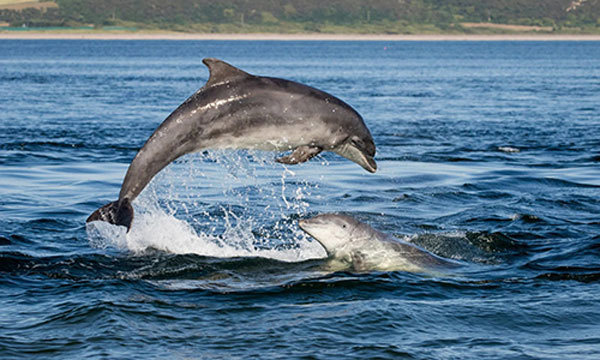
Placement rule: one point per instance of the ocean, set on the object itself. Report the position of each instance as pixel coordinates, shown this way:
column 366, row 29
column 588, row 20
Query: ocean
column 488, row 154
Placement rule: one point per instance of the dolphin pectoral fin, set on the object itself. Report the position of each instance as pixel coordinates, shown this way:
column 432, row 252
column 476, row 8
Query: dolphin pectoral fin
column 300, row 155
column 116, row 213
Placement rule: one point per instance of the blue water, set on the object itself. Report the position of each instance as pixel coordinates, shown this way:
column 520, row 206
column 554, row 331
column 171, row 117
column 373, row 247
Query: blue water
column 488, row 153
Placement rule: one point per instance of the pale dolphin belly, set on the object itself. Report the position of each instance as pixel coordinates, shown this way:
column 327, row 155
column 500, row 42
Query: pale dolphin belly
column 390, row 254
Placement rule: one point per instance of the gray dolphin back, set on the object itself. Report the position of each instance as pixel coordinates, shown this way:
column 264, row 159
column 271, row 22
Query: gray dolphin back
column 418, row 255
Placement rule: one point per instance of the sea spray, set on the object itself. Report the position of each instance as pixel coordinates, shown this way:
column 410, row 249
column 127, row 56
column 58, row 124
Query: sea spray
column 206, row 204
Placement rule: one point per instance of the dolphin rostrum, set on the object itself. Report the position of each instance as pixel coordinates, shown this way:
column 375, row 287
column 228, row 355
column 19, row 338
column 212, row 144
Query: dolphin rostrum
column 352, row 244
column 237, row 110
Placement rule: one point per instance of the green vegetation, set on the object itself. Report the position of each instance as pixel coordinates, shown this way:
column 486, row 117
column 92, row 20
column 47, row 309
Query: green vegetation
column 332, row 16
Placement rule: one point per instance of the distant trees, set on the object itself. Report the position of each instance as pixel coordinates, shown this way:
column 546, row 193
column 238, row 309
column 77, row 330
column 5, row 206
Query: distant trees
column 32, row 17
column 255, row 11
column 160, row 13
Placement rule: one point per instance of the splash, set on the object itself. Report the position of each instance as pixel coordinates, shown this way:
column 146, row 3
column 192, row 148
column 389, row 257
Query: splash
column 219, row 204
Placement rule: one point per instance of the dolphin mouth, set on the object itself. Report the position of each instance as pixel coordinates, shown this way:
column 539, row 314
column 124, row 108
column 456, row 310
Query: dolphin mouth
column 369, row 164
column 358, row 156
column 301, row 224
column 305, row 225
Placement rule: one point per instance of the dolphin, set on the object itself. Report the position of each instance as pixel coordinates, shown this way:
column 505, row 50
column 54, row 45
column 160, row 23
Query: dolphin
column 351, row 244
column 237, row 110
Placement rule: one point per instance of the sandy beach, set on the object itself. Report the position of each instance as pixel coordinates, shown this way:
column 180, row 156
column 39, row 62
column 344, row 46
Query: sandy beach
column 290, row 37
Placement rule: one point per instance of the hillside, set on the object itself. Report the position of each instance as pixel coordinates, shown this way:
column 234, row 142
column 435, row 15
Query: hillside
column 293, row 16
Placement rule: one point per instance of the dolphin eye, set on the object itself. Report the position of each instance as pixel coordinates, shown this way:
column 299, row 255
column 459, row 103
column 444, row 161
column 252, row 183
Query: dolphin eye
column 357, row 141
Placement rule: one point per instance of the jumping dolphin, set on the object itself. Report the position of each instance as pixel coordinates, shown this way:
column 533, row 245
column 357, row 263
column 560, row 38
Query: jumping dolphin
column 352, row 244
column 237, row 110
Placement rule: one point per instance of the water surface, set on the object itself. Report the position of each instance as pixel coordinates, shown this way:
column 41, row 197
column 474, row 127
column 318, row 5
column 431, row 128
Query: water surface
column 488, row 153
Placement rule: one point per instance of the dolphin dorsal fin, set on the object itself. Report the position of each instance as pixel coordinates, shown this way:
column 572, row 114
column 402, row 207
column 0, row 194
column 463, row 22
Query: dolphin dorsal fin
column 221, row 72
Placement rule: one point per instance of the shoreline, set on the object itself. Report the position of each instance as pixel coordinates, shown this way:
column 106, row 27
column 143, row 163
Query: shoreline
column 5, row 35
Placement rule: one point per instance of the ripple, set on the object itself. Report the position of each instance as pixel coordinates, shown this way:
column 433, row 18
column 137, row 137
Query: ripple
column 250, row 284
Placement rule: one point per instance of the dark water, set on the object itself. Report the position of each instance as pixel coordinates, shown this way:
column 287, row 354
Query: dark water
column 489, row 153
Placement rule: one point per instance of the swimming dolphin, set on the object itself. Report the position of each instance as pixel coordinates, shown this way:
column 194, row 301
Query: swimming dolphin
column 352, row 244
column 237, row 110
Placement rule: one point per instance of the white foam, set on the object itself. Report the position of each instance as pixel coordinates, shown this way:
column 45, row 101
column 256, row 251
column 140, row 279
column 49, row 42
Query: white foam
column 508, row 149
column 172, row 216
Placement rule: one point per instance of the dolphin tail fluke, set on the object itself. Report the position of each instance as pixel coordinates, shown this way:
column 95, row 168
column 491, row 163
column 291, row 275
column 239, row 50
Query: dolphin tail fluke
column 117, row 213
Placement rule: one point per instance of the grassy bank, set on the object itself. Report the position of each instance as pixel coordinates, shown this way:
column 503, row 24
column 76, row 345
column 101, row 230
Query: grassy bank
column 385, row 28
